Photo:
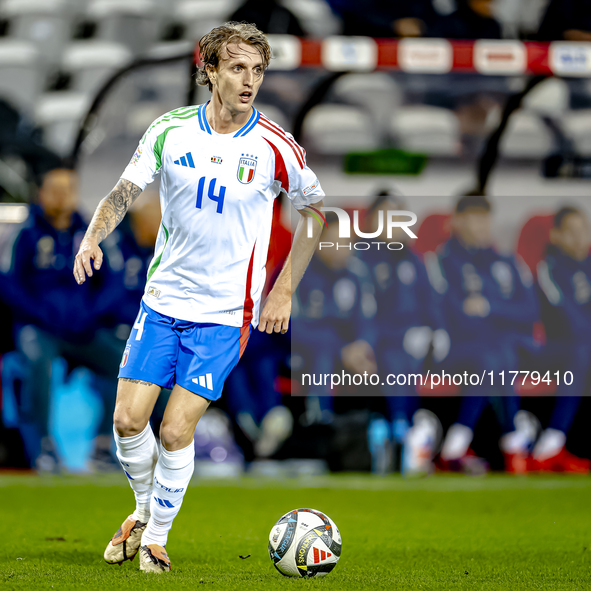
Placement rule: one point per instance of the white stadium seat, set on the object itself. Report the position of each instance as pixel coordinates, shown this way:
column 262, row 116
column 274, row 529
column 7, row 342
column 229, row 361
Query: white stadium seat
column 47, row 23
column 20, row 73
column 60, row 114
column 338, row 129
column 377, row 92
column 550, row 97
column 133, row 23
column 430, row 130
column 91, row 62
column 577, row 126
column 526, row 136
column 315, row 16
column 200, row 16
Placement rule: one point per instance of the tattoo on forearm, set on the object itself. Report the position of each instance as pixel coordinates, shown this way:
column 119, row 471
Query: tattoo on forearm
column 137, row 382
column 112, row 210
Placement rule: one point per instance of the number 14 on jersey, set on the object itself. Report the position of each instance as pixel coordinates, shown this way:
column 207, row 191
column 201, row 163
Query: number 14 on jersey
column 219, row 198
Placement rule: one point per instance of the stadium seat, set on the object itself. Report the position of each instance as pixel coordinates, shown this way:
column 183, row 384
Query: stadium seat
column 91, row 62
column 20, row 73
column 550, row 97
column 577, row 126
column 526, row 136
column 533, row 240
column 164, row 89
column 378, row 92
column 133, row 23
column 60, row 114
column 46, row 23
column 429, row 130
column 338, row 129
column 315, row 16
column 200, row 16
column 434, row 230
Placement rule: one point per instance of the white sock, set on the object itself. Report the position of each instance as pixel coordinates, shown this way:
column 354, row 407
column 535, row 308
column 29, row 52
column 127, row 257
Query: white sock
column 171, row 477
column 551, row 441
column 518, row 441
column 457, row 441
column 138, row 455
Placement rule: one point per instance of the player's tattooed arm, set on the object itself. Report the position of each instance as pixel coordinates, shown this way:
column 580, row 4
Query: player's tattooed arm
column 112, row 210
column 109, row 213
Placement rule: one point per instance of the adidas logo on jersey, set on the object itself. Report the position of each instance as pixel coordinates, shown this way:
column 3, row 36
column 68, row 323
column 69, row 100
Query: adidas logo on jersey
column 186, row 160
column 205, row 381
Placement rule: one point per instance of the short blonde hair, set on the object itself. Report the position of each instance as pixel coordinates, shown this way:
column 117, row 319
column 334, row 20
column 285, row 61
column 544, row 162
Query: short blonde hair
column 211, row 45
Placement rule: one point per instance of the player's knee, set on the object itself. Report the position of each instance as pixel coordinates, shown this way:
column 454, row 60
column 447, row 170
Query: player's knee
column 126, row 425
column 174, row 436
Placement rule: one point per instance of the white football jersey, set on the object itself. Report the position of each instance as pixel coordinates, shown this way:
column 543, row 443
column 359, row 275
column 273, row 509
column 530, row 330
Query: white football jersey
column 216, row 195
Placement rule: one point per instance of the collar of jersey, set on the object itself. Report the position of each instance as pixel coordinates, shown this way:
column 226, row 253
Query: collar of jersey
column 246, row 128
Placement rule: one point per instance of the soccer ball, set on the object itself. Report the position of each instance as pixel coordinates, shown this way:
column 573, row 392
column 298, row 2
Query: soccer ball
column 305, row 543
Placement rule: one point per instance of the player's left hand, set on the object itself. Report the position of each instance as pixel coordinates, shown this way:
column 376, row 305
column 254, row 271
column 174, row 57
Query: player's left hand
column 276, row 313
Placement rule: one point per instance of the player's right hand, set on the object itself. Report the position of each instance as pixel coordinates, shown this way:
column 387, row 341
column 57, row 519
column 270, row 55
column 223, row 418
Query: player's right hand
column 89, row 249
column 359, row 357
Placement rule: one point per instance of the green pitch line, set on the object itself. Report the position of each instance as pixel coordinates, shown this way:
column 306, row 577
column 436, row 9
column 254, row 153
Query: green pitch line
column 440, row 533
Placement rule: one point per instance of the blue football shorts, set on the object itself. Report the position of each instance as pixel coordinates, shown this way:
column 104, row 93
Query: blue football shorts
column 198, row 356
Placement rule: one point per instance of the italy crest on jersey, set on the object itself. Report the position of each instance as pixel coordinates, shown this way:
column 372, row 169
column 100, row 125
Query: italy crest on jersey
column 125, row 356
column 247, row 166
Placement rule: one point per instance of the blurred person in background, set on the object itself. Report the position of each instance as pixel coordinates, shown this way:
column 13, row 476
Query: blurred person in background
column 406, row 318
column 333, row 327
column 270, row 17
column 564, row 279
column 55, row 318
column 568, row 20
column 250, row 395
column 22, row 153
column 489, row 305
column 135, row 238
column 382, row 18
column 472, row 19
column 473, row 97
column 252, row 399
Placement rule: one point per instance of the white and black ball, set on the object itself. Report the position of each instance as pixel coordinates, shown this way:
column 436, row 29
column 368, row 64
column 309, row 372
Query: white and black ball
column 305, row 543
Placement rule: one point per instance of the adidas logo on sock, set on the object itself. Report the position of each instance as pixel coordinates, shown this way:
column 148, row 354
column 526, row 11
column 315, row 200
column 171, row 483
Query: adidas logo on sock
column 205, row 381
column 164, row 503
column 186, row 160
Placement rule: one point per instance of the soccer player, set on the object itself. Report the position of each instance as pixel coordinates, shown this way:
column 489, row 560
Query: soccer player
column 221, row 164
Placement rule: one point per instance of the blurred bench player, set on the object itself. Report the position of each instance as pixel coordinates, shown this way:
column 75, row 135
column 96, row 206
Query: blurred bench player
column 407, row 323
column 334, row 308
column 564, row 278
column 489, row 305
column 221, row 164
column 52, row 318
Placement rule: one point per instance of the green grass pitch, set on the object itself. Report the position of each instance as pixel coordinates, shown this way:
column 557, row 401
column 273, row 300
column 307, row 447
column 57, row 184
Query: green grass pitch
column 439, row 533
